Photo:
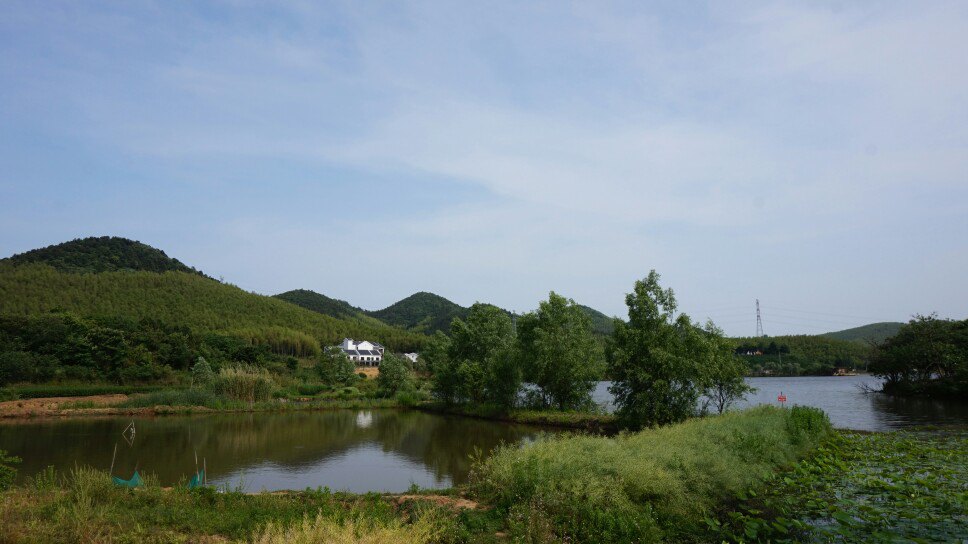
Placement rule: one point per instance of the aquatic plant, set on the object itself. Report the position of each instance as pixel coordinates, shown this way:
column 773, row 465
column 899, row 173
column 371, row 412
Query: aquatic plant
column 882, row 487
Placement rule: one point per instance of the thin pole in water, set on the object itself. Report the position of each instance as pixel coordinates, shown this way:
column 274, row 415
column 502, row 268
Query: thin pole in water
column 115, row 454
column 204, row 472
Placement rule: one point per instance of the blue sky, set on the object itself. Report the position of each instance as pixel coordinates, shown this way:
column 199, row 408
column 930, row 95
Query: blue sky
column 812, row 155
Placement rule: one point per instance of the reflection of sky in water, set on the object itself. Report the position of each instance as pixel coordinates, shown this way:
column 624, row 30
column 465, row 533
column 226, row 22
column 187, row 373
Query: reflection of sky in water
column 844, row 400
column 364, row 468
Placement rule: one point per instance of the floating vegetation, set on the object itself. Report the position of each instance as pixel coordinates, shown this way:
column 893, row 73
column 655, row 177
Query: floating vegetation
column 881, row 487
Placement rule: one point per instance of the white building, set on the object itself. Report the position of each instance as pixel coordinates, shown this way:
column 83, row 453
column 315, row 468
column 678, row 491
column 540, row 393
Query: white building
column 412, row 357
column 362, row 353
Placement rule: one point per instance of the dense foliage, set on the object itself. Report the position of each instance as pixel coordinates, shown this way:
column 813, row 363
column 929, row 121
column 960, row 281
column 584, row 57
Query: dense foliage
column 103, row 254
column 928, row 356
column 178, row 299
column 800, row 355
column 476, row 363
column 656, row 359
column 655, row 485
column 559, row 354
column 395, row 376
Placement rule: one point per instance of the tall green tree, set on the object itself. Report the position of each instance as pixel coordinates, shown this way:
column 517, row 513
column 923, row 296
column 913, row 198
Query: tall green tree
column 654, row 362
column 724, row 372
column 335, row 368
column 395, row 376
column 479, row 365
column 559, row 354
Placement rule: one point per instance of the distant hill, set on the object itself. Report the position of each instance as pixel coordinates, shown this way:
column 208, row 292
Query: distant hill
column 875, row 332
column 322, row 304
column 429, row 312
column 422, row 311
column 102, row 254
column 601, row 323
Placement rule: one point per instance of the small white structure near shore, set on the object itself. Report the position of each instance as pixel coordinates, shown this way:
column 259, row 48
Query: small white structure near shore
column 363, row 353
column 412, row 357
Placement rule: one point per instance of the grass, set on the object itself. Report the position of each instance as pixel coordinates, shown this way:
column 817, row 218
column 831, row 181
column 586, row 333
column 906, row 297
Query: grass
column 656, row 485
column 84, row 506
column 881, row 487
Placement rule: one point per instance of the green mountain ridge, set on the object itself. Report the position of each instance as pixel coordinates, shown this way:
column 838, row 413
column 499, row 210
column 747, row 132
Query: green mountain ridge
column 420, row 312
column 874, row 332
column 102, row 254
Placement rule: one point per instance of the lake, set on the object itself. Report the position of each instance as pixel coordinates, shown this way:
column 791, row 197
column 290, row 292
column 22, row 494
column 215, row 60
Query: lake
column 375, row 450
column 353, row 450
column 843, row 399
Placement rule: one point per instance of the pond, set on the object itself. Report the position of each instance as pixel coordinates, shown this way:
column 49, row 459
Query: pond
column 358, row 451
column 845, row 400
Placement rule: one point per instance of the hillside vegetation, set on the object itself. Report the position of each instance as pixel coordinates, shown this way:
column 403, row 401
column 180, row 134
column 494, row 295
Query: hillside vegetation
column 874, row 332
column 176, row 298
column 422, row 311
column 322, row 304
column 800, row 355
column 102, row 254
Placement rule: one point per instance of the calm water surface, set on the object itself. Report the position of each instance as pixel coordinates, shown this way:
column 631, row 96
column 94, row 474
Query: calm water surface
column 359, row 451
column 376, row 450
column 845, row 401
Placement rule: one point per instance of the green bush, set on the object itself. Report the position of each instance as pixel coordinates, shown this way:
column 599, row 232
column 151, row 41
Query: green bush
column 658, row 484
column 311, row 389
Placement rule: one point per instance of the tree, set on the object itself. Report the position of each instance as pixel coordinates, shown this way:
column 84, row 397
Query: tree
column 478, row 366
column 927, row 356
column 335, row 368
column 724, row 372
column 202, row 373
column 559, row 354
column 444, row 379
column 395, row 375
column 654, row 359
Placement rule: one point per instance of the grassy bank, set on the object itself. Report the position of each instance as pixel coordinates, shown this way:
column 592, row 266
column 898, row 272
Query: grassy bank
column 656, row 485
column 587, row 421
column 880, row 487
column 84, row 506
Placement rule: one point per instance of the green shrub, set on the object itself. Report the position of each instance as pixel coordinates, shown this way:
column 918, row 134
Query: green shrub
column 311, row 389
column 658, row 484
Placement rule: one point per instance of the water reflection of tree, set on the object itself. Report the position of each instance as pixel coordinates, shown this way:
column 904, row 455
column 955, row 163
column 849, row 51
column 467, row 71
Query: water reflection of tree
column 233, row 442
column 905, row 411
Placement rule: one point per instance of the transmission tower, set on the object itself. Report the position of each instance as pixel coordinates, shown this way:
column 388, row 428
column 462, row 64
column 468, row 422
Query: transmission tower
column 759, row 320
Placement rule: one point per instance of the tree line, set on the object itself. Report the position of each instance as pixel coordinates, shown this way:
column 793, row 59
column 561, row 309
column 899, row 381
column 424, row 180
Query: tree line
column 662, row 363
column 928, row 356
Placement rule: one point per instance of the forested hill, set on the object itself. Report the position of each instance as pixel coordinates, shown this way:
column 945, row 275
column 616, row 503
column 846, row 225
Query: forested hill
column 311, row 300
column 422, row 311
column 875, row 332
column 178, row 299
column 102, row 254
